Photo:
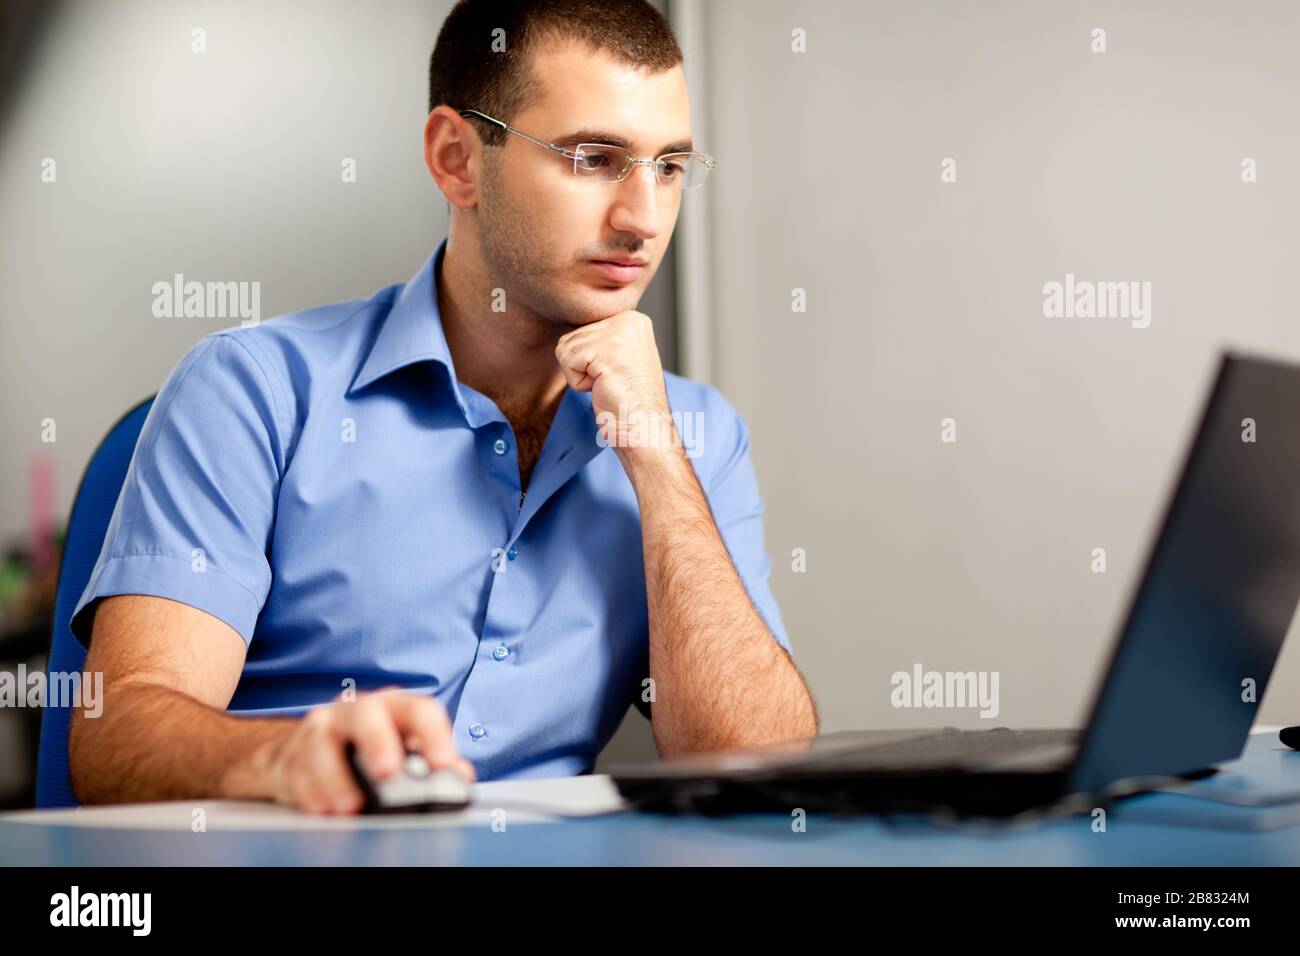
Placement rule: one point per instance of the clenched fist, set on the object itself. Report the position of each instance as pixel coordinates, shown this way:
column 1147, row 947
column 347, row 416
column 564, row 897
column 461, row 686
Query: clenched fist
column 616, row 359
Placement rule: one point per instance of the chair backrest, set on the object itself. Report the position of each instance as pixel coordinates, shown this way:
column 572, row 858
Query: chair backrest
column 91, row 510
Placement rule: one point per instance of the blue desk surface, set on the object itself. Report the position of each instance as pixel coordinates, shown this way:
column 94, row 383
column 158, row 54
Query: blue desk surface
column 1133, row 837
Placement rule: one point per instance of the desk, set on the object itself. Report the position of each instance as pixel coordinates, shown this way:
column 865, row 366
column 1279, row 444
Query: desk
column 98, row 836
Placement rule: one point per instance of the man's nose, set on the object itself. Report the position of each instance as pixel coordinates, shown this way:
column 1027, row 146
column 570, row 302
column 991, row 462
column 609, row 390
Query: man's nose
column 639, row 203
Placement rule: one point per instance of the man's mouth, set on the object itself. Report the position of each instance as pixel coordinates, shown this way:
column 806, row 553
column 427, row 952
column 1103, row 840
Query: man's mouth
column 623, row 269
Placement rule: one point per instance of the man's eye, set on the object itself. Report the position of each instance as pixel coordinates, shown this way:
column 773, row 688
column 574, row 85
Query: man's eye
column 672, row 169
column 590, row 160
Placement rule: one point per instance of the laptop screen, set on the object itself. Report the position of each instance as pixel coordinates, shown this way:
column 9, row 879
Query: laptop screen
column 1208, row 619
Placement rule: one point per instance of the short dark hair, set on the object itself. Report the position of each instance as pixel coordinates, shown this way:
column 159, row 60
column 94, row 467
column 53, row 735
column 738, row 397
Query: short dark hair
column 466, row 73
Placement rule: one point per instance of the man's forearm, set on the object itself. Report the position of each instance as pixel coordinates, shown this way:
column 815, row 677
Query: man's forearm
column 720, row 678
column 154, row 743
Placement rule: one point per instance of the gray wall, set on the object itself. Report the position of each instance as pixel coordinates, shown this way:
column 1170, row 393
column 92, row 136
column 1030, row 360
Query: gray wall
column 924, row 301
column 221, row 166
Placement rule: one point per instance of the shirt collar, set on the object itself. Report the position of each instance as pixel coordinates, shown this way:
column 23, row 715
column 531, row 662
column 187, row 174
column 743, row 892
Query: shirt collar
column 412, row 332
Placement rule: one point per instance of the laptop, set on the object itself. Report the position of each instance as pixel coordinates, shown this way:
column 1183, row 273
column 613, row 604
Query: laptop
column 1204, row 626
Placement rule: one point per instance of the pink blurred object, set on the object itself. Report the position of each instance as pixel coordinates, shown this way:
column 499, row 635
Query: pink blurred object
column 40, row 493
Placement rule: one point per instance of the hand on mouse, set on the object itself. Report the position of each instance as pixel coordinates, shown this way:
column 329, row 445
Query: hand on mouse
column 309, row 769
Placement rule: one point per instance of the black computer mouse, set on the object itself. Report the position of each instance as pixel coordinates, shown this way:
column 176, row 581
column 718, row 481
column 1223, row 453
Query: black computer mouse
column 1290, row 736
column 416, row 787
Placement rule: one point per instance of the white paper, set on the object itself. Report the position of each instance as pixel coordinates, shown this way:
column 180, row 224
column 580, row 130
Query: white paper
column 523, row 801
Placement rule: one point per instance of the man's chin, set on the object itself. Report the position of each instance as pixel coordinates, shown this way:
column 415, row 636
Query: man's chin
column 598, row 304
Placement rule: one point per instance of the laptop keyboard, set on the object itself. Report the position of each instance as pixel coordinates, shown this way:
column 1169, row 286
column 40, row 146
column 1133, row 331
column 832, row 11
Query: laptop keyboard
column 948, row 748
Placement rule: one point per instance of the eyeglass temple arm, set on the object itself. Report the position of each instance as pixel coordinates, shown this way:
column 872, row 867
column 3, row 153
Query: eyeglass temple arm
column 519, row 132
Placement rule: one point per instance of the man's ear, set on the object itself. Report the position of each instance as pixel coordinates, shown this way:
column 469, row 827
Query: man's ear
column 449, row 144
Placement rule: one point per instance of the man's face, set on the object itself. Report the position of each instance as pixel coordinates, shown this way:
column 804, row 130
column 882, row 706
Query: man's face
column 541, row 226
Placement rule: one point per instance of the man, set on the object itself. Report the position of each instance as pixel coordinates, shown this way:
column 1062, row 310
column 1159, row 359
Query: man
column 398, row 522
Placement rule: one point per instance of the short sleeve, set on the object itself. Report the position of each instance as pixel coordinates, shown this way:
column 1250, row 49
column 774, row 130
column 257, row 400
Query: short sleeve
column 194, row 518
column 737, row 507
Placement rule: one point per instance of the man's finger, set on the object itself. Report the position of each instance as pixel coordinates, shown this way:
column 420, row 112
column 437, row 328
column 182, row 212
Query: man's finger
column 425, row 718
column 368, row 723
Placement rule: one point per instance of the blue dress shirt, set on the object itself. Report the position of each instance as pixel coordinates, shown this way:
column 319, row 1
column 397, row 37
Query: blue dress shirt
column 324, row 484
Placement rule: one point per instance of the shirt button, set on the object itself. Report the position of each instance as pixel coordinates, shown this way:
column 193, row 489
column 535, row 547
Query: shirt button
column 477, row 730
column 500, row 446
column 500, row 652
column 512, row 553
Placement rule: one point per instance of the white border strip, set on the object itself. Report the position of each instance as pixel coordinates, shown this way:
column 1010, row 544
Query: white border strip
column 689, row 20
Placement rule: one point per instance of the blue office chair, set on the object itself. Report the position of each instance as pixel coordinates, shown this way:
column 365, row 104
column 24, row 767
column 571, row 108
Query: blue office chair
column 91, row 511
